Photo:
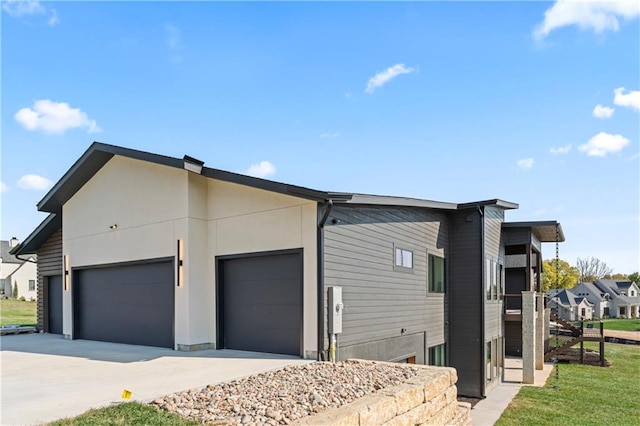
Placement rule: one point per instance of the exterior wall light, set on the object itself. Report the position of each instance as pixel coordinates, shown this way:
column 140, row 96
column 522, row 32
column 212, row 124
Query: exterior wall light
column 180, row 264
column 114, row 226
column 66, row 273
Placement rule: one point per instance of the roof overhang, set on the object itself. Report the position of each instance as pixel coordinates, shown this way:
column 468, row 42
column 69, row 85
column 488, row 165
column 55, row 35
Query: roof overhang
column 545, row 231
column 39, row 236
column 98, row 154
column 383, row 200
column 496, row 202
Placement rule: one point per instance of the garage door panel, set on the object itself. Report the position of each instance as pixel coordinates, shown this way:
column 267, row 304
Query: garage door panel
column 262, row 303
column 131, row 304
column 261, row 291
column 276, row 316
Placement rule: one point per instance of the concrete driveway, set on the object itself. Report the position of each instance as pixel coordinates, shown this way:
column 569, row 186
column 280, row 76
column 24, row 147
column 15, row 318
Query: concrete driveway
column 45, row 377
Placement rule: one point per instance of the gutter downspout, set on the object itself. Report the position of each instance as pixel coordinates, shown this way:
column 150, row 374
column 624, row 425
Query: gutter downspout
column 320, row 261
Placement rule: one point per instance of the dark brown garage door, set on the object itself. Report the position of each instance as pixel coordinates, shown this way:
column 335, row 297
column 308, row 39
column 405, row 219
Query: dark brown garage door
column 54, row 304
column 130, row 304
column 261, row 303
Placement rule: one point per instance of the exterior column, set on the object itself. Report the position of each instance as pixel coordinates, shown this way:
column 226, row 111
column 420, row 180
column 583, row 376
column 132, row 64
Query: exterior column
column 540, row 332
column 547, row 324
column 528, row 337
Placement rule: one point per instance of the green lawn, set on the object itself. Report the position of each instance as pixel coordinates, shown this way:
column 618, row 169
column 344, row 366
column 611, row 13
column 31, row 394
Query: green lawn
column 617, row 324
column 130, row 413
column 17, row 312
column 586, row 396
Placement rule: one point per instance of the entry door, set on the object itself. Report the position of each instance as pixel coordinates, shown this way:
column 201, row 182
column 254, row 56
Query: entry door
column 54, row 304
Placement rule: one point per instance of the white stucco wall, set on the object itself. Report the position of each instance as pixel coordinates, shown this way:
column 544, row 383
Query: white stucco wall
column 154, row 206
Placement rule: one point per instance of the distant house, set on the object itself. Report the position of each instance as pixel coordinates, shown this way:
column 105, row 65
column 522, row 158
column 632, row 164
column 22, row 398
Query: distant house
column 570, row 306
column 18, row 273
column 611, row 298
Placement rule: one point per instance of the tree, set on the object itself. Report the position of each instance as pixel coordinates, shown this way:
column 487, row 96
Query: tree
column 617, row 277
column 566, row 277
column 15, row 290
column 635, row 277
column 592, row 269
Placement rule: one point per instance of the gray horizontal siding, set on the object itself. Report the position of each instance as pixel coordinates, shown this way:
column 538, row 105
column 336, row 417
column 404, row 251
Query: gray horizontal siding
column 379, row 300
column 49, row 263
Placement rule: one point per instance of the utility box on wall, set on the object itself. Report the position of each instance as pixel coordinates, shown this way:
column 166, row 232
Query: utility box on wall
column 335, row 310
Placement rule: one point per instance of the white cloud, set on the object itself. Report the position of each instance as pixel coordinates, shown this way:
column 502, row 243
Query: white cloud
column 561, row 149
column 53, row 19
column 383, row 77
column 596, row 15
column 601, row 111
column 3, row 187
column 604, row 143
column 35, row 182
column 54, row 117
column 631, row 99
column 19, row 8
column 261, row 170
column 526, row 163
column 174, row 42
column 329, row 135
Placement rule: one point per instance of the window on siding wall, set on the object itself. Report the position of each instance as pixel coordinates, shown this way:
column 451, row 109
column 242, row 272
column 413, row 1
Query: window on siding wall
column 32, row 285
column 2, row 284
column 437, row 355
column 437, row 282
column 488, row 361
column 404, row 258
column 494, row 279
column 488, row 278
column 501, row 281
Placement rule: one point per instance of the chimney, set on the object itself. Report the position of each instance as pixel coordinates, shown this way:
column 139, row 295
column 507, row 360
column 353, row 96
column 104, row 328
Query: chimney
column 14, row 242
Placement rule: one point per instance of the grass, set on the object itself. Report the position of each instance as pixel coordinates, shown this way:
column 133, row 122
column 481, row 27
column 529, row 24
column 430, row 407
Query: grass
column 587, row 395
column 130, row 413
column 617, row 324
column 17, row 312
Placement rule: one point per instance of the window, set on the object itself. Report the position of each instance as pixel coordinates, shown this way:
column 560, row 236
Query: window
column 583, row 312
column 2, row 283
column 32, row 285
column 501, row 281
column 488, row 278
column 436, row 275
column 488, row 361
column 437, row 355
column 404, row 258
column 494, row 357
column 494, row 279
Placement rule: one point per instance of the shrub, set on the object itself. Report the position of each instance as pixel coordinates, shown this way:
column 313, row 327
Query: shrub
column 15, row 290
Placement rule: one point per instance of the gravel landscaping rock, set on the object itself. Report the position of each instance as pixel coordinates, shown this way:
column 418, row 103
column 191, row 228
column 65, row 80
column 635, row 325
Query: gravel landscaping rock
column 283, row 396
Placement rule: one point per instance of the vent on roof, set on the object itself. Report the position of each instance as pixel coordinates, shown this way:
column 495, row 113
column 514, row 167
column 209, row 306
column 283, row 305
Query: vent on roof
column 193, row 164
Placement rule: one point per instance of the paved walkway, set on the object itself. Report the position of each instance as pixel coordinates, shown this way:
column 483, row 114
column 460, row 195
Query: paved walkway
column 45, row 377
column 488, row 411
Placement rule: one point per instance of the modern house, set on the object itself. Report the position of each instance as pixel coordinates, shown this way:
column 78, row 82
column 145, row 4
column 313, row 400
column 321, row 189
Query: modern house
column 611, row 298
column 569, row 306
column 17, row 273
column 145, row 249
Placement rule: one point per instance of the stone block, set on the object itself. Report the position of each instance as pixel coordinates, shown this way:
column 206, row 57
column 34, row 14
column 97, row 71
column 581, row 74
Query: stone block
column 376, row 409
column 412, row 417
column 437, row 385
column 451, row 394
column 407, row 395
column 342, row 416
column 442, row 417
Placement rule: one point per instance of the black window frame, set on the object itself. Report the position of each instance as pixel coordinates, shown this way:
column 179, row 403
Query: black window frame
column 441, row 288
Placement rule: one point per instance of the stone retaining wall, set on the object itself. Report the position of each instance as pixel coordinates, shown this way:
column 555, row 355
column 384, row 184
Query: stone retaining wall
column 426, row 399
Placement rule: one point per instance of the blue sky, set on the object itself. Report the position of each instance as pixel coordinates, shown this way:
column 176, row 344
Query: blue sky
column 532, row 102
